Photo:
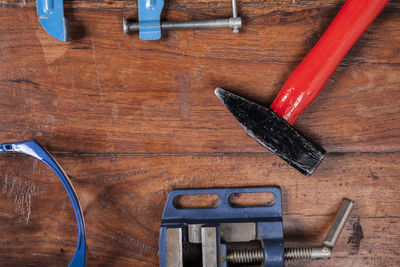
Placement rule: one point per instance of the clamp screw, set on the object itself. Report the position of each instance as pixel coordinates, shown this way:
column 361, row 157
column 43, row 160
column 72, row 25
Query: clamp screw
column 246, row 256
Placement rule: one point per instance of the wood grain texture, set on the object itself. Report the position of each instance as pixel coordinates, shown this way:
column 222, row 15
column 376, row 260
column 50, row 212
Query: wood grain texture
column 157, row 97
column 130, row 120
column 123, row 196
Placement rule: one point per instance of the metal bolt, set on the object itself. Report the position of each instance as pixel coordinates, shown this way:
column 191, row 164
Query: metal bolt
column 304, row 253
column 295, row 254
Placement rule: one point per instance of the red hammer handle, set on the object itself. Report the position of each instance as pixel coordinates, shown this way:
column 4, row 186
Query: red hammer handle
column 307, row 80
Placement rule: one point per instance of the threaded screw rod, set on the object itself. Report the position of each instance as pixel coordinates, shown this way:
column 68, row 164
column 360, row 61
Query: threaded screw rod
column 246, row 256
column 291, row 254
column 304, row 253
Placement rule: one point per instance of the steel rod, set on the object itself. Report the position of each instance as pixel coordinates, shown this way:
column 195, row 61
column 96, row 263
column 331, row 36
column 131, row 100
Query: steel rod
column 234, row 22
column 338, row 224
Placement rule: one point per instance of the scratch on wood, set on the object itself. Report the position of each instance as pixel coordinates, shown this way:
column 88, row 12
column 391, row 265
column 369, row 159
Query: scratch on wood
column 184, row 93
column 118, row 177
column 82, row 47
column 26, row 81
column 356, row 235
column 22, row 194
column 373, row 175
column 133, row 243
column 97, row 70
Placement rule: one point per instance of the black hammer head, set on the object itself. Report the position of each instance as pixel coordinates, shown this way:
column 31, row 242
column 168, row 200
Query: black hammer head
column 273, row 132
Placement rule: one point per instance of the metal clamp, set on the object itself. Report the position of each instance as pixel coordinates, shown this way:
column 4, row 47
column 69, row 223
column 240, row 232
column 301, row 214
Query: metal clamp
column 149, row 24
column 32, row 148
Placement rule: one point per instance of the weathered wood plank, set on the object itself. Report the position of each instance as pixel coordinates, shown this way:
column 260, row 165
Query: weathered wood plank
column 131, row 120
column 123, row 196
column 186, row 4
column 157, row 97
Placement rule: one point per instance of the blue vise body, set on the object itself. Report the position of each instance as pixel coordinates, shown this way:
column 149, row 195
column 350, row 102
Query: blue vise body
column 267, row 219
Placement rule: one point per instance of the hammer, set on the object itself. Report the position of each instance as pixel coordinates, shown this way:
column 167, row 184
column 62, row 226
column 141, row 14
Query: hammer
column 272, row 127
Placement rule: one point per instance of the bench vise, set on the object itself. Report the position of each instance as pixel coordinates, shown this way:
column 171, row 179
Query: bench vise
column 150, row 25
column 228, row 235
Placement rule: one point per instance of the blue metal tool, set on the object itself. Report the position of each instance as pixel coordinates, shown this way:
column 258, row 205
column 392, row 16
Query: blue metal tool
column 51, row 16
column 150, row 25
column 226, row 235
column 149, row 18
column 263, row 223
column 32, row 148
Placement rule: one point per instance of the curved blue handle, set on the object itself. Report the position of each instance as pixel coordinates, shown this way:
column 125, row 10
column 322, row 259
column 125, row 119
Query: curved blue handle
column 52, row 19
column 32, row 148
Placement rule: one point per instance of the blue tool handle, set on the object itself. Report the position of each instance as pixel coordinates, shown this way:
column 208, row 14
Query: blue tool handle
column 32, row 148
column 223, row 211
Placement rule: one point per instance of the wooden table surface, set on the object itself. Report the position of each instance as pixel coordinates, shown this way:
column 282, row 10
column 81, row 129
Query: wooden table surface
column 131, row 120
